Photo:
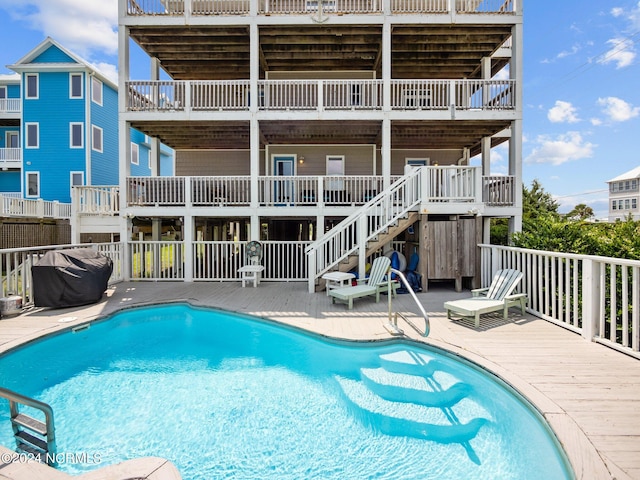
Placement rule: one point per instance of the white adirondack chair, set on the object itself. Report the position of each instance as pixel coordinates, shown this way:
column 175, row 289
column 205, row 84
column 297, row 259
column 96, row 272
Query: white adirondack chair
column 498, row 296
column 373, row 285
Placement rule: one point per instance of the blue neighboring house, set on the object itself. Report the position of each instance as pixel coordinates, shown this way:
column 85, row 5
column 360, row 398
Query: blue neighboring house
column 59, row 127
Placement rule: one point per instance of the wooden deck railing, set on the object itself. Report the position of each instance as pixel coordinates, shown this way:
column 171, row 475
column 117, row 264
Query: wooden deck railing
column 319, row 95
column 597, row 297
column 307, row 7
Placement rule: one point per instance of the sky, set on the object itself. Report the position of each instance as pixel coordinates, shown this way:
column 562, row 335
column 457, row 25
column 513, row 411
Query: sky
column 581, row 76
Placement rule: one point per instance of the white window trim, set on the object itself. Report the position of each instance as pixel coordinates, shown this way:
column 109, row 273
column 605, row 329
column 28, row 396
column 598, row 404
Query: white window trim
column 71, row 76
column 96, row 82
column 71, row 184
column 26, row 86
column 37, row 174
column 135, row 148
column 27, row 137
column 94, row 128
column 71, row 125
column 7, row 138
column 3, row 88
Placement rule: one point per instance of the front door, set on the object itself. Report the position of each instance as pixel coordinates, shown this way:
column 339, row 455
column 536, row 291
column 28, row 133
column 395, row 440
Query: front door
column 284, row 166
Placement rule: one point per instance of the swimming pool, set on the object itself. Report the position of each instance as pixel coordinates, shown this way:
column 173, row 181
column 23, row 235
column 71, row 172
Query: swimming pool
column 229, row 396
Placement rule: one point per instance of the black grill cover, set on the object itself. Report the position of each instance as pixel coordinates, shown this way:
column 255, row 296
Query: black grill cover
column 67, row 278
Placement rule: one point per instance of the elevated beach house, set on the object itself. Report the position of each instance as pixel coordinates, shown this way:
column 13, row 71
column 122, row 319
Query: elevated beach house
column 59, row 130
column 328, row 129
column 624, row 196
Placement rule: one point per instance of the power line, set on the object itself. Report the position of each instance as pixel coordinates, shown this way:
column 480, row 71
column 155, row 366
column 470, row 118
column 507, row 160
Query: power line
column 590, row 192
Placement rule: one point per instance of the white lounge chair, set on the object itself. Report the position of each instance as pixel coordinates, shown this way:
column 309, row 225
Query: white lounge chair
column 372, row 285
column 252, row 270
column 496, row 297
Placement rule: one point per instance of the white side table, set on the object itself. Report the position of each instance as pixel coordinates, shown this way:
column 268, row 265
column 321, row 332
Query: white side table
column 337, row 280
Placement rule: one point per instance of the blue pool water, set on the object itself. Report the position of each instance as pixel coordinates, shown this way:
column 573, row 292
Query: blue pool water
column 225, row 396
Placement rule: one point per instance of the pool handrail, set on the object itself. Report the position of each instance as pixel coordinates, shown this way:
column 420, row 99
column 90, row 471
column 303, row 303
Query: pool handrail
column 15, row 399
column 393, row 323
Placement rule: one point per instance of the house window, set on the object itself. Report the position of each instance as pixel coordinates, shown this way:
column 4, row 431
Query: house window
column 634, row 203
column 75, row 85
column 12, row 140
column 3, row 95
column 417, row 162
column 619, row 204
column 32, row 90
column 76, row 179
column 33, row 184
column 76, row 132
column 613, row 205
column 135, row 153
column 33, row 135
column 96, row 138
column 96, row 91
column 627, row 204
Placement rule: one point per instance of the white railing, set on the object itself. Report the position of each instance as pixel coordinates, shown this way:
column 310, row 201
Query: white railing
column 229, row 190
column 308, row 7
column 156, row 260
column 598, row 297
column 318, row 190
column 158, row 95
column 99, row 200
column 352, row 234
column 10, row 105
column 320, row 95
column 220, row 95
column 450, row 184
column 26, row 208
column 499, row 190
column 10, row 154
column 439, row 184
column 16, row 265
column 156, row 190
column 220, row 261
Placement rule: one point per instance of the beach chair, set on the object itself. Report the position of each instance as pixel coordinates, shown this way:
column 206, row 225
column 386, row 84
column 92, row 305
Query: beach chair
column 498, row 296
column 252, row 270
column 374, row 284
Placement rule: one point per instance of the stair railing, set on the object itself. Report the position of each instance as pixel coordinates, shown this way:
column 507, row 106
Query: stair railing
column 46, row 445
column 352, row 234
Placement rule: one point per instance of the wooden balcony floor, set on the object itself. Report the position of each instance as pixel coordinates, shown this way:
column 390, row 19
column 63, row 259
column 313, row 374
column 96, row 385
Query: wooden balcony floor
column 588, row 393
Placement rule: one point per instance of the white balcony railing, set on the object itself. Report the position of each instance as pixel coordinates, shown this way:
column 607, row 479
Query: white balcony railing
column 320, row 95
column 440, row 184
column 305, row 7
column 598, row 297
column 99, row 200
column 10, row 155
column 27, row 208
column 10, row 105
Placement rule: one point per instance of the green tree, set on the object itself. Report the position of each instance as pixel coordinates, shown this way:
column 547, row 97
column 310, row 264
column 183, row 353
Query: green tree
column 580, row 212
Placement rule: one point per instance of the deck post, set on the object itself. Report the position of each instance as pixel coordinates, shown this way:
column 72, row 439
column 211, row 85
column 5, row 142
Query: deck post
column 591, row 297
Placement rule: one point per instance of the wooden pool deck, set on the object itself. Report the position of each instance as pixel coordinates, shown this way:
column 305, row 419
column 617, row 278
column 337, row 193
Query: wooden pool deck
column 588, row 393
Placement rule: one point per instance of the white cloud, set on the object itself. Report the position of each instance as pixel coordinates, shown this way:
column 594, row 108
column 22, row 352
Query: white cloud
column 108, row 70
column 83, row 26
column 561, row 149
column 596, row 122
column 566, row 53
column 621, row 53
column 617, row 110
column 563, row 112
column 617, row 12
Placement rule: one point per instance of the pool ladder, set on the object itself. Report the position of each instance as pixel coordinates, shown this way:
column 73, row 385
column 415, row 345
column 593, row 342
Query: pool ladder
column 33, row 436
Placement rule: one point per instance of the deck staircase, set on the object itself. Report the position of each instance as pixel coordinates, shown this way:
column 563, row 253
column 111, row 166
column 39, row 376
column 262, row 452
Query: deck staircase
column 33, row 437
column 368, row 229
column 413, row 394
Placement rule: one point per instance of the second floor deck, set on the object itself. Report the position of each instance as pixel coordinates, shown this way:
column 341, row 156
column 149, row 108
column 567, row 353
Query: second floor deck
column 445, row 190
